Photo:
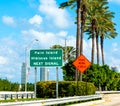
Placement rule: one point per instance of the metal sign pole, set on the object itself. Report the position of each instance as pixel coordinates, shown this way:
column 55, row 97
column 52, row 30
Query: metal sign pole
column 56, row 82
column 35, row 82
column 86, row 83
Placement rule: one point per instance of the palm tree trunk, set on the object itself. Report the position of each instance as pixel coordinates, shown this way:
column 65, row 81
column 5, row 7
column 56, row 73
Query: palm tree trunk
column 92, row 58
column 83, row 17
column 102, row 50
column 78, row 36
column 97, row 47
column 93, row 44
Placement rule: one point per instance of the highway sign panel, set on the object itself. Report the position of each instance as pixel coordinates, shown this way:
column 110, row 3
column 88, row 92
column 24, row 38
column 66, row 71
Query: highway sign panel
column 81, row 63
column 46, row 57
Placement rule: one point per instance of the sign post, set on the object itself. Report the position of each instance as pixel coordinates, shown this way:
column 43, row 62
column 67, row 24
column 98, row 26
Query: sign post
column 35, row 82
column 57, row 82
column 81, row 64
column 46, row 58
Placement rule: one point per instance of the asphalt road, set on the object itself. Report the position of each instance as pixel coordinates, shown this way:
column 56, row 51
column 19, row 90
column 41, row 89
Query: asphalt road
column 108, row 100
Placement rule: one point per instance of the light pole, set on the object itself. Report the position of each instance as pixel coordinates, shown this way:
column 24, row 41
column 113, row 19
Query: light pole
column 26, row 62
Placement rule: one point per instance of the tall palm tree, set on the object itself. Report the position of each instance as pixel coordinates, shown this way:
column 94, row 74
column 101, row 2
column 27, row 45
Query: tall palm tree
column 84, row 9
column 104, row 35
column 81, row 17
column 73, row 3
column 92, row 23
column 101, row 10
column 106, row 29
column 78, row 38
column 98, row 16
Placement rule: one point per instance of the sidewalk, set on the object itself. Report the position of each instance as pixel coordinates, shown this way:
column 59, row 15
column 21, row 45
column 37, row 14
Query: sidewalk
column 88, row 103
column 107, row 100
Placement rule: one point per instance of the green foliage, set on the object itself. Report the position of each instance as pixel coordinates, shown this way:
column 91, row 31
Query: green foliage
column 66, row 88
column 6, row 85
column 46, row 89
column 14, row 87
column 68, row 71
column 101, row 76
column 30, row 87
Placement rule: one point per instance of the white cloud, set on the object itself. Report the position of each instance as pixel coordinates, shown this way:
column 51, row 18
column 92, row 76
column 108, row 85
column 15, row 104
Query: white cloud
column 112, row 55
column 10, row 58
column 115, row 47
column 59, row 17
column 62, row 34
column 8, row 20
column 3, row 60
column 47, row 39
column 10, row 76
column 70, row 41
column 37, row 20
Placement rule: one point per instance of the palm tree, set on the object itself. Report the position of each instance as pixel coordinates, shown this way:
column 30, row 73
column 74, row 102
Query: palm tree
column 73, row 3
column 84, row 9
column 69, row 52
column 92, row 23
column 102, row 37
column 78, row 39
column 107, row 30
column 92, row 16
column 81, row 17
column 98, row 17
column 102, row 7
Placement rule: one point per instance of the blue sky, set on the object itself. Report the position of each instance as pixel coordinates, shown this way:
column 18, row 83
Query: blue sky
column 22, row 21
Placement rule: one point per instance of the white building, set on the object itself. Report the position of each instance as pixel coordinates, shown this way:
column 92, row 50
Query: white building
column 44, row 74
column 115, row 68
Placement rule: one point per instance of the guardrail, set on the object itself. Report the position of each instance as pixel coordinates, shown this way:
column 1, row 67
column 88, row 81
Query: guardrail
column 15, row 95
column 107, row 92
column 55, row 101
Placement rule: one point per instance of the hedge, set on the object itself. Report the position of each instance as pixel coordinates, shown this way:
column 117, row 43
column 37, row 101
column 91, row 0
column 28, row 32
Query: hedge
column 47, row 89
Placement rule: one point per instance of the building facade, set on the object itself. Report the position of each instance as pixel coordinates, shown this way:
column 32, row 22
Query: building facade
column 44, row 74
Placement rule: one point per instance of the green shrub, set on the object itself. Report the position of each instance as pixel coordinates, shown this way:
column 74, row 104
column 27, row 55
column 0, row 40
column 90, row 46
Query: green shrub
column 47, row 89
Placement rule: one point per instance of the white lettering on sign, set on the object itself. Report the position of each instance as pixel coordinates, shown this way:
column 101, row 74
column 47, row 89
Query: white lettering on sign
column 39, row 58
column 55, row 58
column 51, row 52
column 51, row 63
column 39, row 52
column 38, row 63
column 46, row 58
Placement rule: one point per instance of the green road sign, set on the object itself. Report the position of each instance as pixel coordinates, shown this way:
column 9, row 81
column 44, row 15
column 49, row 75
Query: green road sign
column 46, row 58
